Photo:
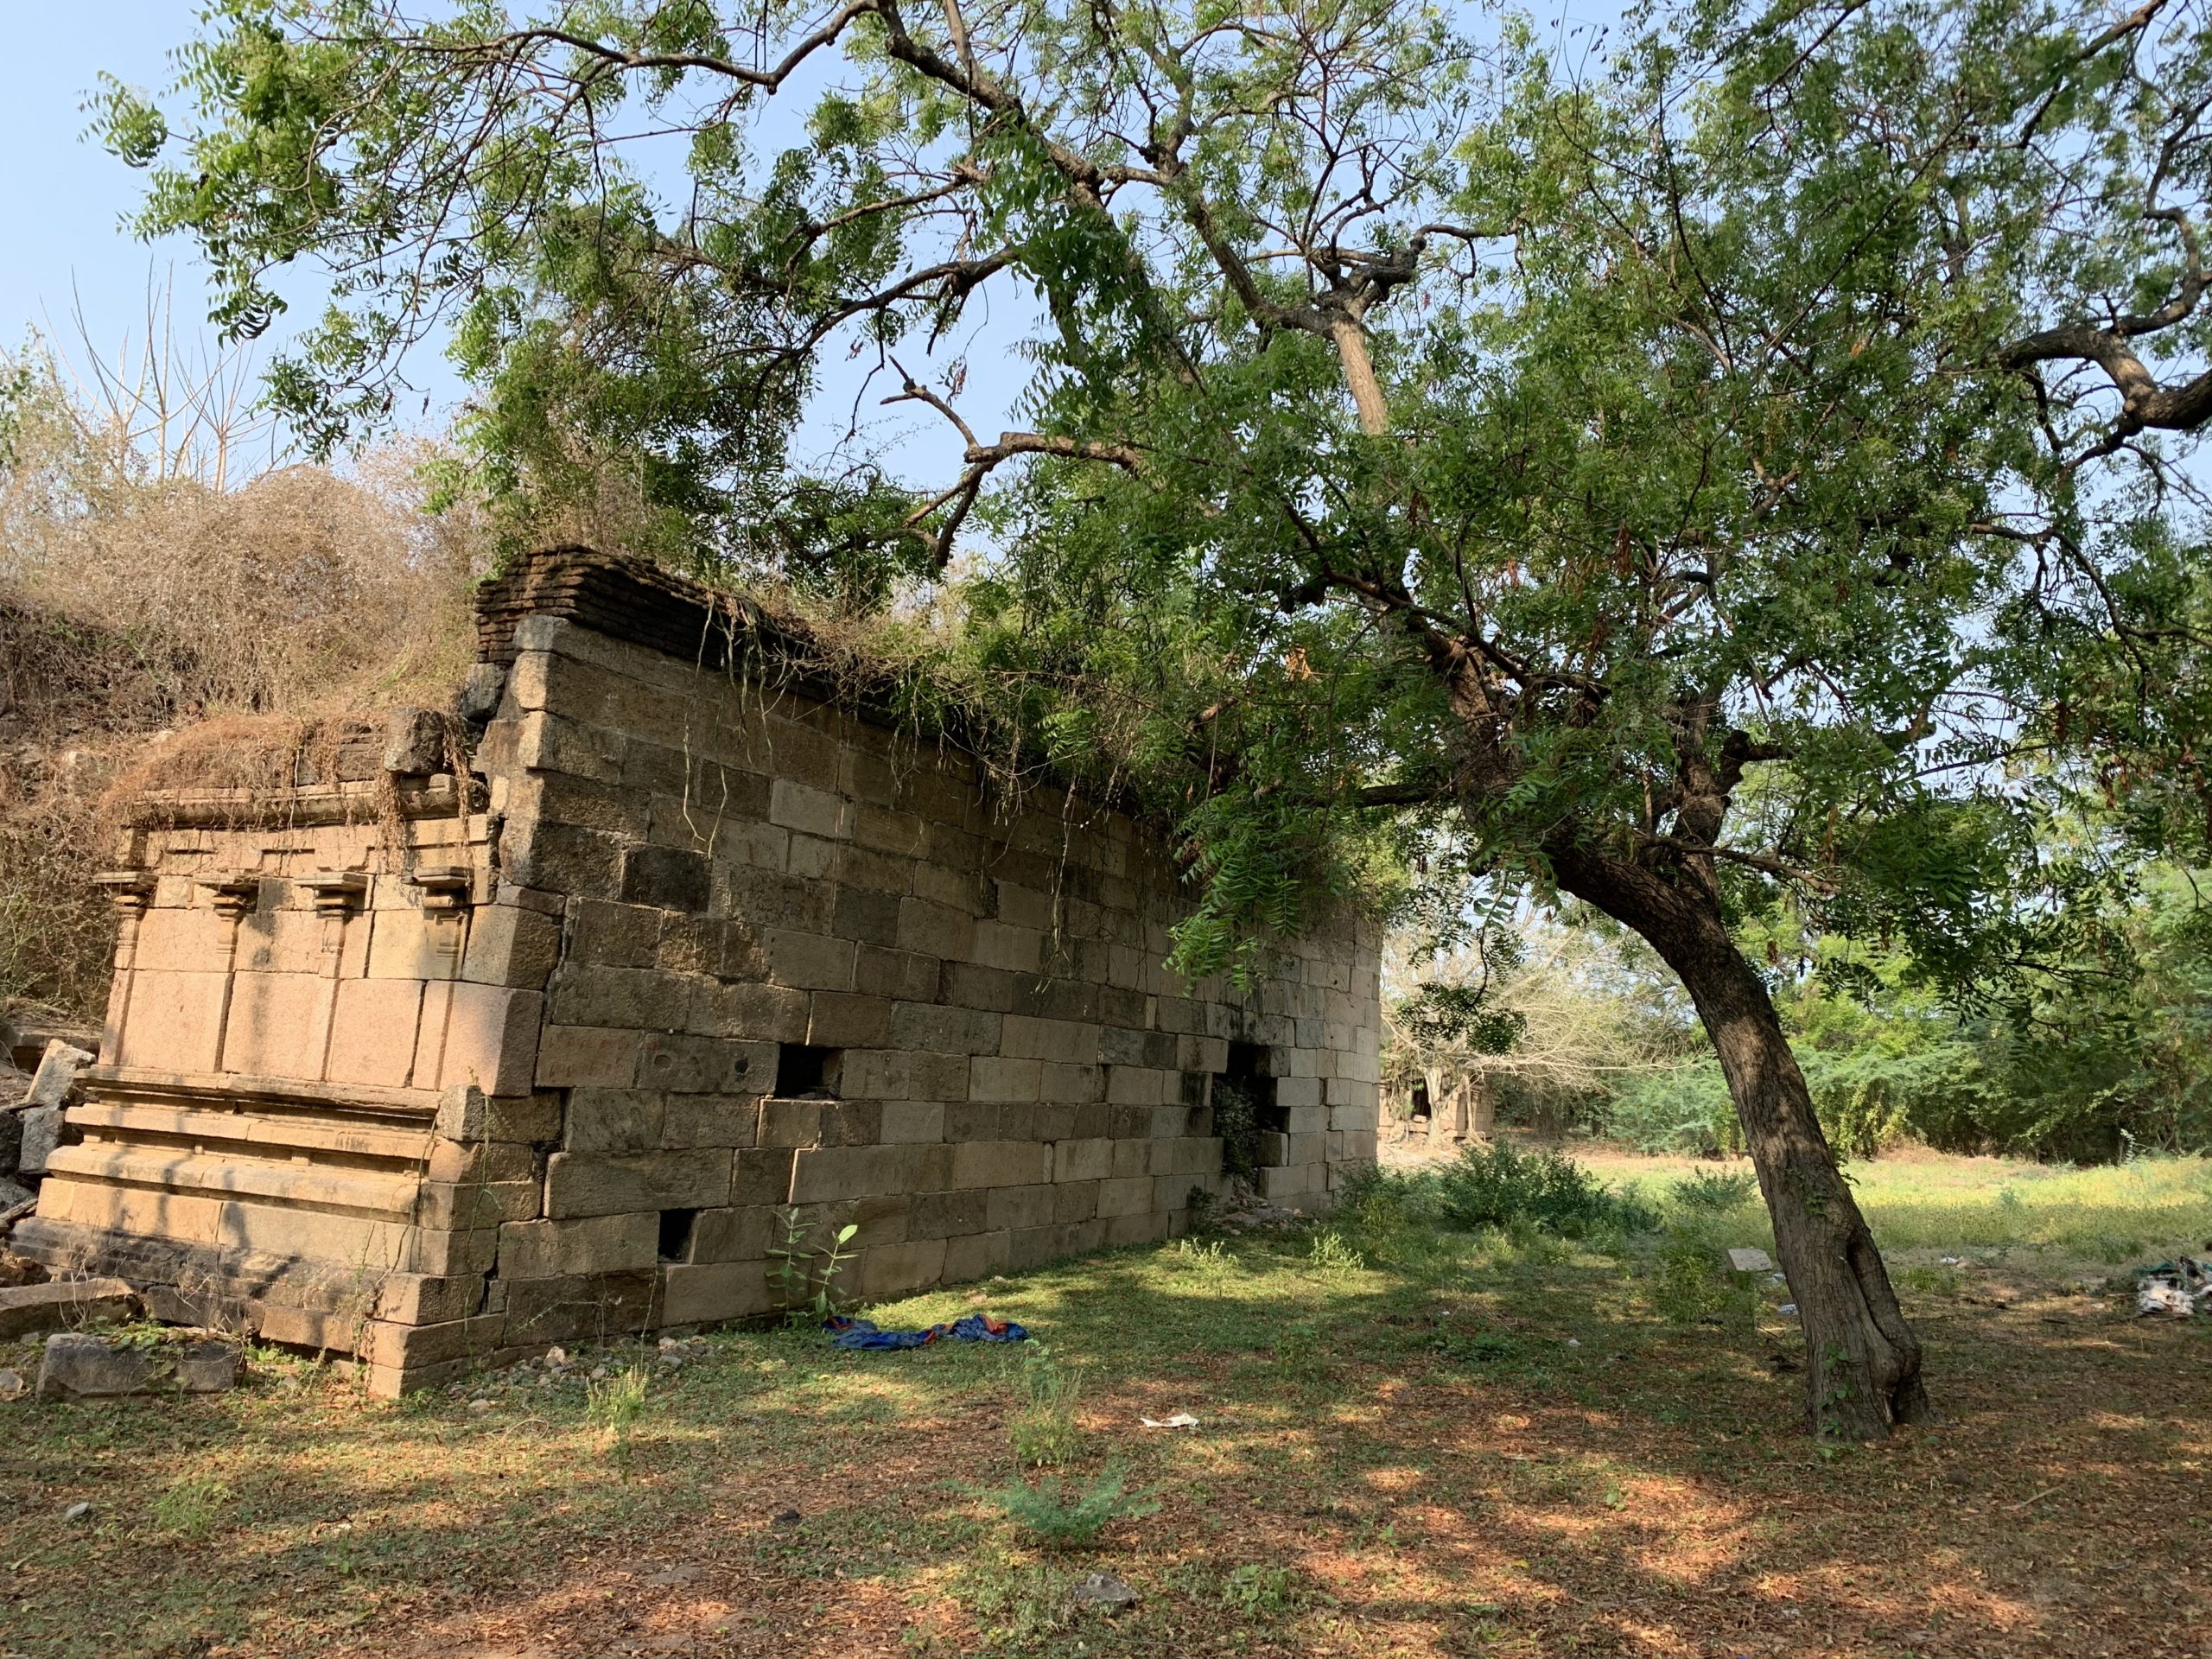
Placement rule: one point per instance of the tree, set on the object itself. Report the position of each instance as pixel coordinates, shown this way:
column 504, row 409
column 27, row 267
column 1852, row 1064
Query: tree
column 1747, row 465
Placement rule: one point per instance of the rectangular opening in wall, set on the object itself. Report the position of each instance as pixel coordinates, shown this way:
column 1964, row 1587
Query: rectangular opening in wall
column 1248, row 1069
column 675, row 1234
column 804, row 1071
column 1244, row 1109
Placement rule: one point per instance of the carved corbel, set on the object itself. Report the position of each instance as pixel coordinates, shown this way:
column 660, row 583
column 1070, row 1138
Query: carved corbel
column 446, row 889
column 234, row 893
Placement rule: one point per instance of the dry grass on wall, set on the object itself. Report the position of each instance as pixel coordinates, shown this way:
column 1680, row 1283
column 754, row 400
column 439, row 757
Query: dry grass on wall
column 132, row 606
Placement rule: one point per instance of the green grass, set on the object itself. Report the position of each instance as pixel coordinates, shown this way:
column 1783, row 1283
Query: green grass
column 2053, row 1218
column 1412, row 1442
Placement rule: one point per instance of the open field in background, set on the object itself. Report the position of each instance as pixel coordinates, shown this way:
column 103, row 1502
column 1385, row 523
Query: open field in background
column 1480, row 1445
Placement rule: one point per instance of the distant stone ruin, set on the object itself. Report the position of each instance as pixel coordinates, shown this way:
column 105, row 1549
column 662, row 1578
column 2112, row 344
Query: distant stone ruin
column 479, row 1038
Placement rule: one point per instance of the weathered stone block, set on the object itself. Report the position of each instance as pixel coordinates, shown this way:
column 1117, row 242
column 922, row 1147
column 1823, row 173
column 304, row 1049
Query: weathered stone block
column 708, row 1120
column 842, row 1019
column 994, row 1077
column 91, row 1368
column 584, row 1305
column 670, row 878
column 551, row 1249
column 910, row 1121
column 509, row 945
column 56, row 1076
column 467, row 1113
column 1124, row 1196
column 899, row 975
column 948, row 1215
column 460, row 1161
column 704, row 1293
column 1000, row 1163
column 589, row 1056
column 1019, row 1207
column 975, row 1256
column 891, row 1269
column 762, row 1175
column 1067, row 1040
column 563, row 858
column 753, row 1012
column 585, row 995
column 595, row 1183
column 490, row 1038
column 685, row 1063
column 809, row 962
column 1083, row 1160
column 613, row 1120
column 42, row 1128
column 452, row 1207
column 734, row 1234
column 810, row 811
column 826, row 1173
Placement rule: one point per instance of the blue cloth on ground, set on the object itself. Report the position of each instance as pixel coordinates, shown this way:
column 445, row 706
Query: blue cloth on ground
column 974, row 1327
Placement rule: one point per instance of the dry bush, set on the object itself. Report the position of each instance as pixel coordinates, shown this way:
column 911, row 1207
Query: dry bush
column 136, row 598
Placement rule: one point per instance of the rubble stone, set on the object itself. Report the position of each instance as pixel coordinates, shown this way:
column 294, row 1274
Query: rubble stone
column 78, row 1367
column 56, row 1074
column 63, row 1304
column 41, row 1128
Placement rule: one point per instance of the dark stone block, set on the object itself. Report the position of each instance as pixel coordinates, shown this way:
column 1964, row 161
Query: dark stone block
column 672, row 878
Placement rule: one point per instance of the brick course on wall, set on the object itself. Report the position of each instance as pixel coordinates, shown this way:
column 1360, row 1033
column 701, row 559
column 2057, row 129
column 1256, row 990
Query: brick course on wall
column 685, row 874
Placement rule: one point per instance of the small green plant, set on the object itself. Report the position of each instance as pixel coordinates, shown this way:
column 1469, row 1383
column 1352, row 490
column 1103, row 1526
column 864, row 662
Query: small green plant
column 1298, row 1357
column 188, row 1508
column 1714, row 1191
column 1061, row 1517
column 1211, row 1255
column 1260, row 1591
column 1332, row 1257
column 806, row 1279
column 614, row 1406
column 1044, row 1429
column 1690, row 1288
column 1013, row 1606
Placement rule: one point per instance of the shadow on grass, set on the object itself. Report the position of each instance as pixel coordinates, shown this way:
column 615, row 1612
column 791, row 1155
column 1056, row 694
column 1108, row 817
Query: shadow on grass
column 1507, row 1452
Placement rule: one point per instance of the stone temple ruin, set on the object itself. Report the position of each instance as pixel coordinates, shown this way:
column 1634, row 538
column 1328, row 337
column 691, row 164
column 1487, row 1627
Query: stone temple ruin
column 480, row 1037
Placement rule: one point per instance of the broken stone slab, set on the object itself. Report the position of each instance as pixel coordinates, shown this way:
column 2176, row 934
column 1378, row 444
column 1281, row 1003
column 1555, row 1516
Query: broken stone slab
column 11, row 1143
column 1749, row 1258
column 480, row 692
column 56, row 1075
column 13, row 1195
column 414, row 742
column 63, row 1304
column 41, row 1127
column 80, row 1367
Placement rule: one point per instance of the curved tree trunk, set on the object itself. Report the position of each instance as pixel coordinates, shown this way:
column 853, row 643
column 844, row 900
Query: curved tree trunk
column 1862, row 1361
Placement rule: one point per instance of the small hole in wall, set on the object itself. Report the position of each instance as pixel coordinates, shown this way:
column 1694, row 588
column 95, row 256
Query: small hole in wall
column 803, row 1070
column 675, row 1234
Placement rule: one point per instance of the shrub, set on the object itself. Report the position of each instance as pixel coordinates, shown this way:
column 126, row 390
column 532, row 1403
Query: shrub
column 1061, row 1516
column 1714, row 1191
column 1497, row 1185
column 1690, row 1288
